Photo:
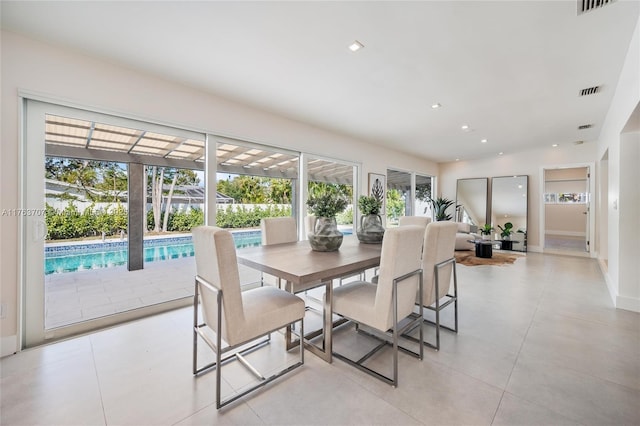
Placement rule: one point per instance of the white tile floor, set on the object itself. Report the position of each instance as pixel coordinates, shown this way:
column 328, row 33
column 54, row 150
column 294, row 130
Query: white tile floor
column 539, row 344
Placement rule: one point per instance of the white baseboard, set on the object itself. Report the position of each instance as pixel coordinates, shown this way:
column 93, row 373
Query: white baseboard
column 620, row 302
column 8, row 345
column 565, row 233
column 628, row 303
column 605, row 273
column 534, row 249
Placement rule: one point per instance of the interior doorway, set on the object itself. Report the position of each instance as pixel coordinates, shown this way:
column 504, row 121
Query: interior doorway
column 567, row 198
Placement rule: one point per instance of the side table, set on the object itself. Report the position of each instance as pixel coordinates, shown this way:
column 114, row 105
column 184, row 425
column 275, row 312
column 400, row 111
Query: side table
column 484, row 248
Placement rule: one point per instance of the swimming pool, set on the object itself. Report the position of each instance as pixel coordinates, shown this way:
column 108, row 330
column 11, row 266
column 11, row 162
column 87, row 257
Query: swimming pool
column 79, row 257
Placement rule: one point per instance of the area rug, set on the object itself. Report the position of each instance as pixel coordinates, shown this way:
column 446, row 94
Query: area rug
column 468, row 258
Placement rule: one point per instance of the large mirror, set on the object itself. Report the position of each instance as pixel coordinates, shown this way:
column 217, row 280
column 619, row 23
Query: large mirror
column 509, row 205
column 471, row 201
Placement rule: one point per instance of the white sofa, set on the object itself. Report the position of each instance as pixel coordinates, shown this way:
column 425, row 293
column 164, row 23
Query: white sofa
column 465, row 233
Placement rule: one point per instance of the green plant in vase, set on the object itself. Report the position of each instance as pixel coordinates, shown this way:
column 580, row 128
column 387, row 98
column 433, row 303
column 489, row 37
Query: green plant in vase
column 368, row 204
column 506, row 232
column 325, row 235
column 486, row 231
column 370, row 230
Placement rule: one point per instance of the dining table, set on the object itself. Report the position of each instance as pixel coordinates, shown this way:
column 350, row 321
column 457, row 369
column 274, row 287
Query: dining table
column 302, row 269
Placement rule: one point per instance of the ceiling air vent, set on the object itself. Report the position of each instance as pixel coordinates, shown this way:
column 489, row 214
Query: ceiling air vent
column 590, row 91
column 585, row 126
column 588, row 5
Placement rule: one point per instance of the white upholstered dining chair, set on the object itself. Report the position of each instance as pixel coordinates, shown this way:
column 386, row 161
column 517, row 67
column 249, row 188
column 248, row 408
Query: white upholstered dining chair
column 229, row 320
column 438, row 265
column 414, row 220
column 382, row 306
column 421, row 221
column 277, row 230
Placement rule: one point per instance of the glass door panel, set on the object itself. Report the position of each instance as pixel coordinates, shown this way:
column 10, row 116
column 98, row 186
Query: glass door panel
column 423, row 191
column 399, row 196
column 79, row 257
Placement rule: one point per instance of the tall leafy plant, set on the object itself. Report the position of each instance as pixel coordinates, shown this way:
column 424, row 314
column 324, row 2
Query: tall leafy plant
column 439, row 207
column 507, row 230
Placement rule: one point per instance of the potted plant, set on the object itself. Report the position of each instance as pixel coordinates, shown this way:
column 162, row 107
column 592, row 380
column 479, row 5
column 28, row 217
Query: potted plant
column 505, row 234
column 485, row 231
column 325, row 235
column 371, row 230
column 439, row 207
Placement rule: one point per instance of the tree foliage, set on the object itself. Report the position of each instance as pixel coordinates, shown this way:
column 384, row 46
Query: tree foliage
column 246, row 189
column 317, row 189
column 98, row 181
column 157, row 179
column 395, row 203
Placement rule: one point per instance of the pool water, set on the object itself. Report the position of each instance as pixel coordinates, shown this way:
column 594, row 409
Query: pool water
column 95, row 256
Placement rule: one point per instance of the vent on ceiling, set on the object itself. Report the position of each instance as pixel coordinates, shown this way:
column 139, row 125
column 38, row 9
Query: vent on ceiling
column 590, row 91
column 588, row 5
column 585, row 126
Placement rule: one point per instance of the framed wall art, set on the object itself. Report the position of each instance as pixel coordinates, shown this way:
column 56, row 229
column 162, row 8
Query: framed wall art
column 378, row 189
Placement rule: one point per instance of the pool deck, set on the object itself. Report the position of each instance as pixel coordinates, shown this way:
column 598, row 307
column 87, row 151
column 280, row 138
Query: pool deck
column 80, row 296
column 73, row 297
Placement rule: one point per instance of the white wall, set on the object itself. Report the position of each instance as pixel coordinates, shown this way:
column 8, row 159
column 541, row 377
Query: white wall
column 524, row 163
column 83, row 81
column 623, row 288
column 629, row 210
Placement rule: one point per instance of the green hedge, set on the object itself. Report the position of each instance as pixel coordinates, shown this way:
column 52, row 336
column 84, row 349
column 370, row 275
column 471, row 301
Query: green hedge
column 70, row 223
column 247, row 218
column 179, row 221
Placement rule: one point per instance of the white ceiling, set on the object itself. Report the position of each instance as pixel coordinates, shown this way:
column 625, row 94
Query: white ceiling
column 512, row 70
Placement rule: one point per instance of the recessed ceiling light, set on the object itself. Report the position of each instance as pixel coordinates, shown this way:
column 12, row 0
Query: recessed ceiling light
column 465, row 127
column 500, row 153
column 355, row 46
column 457, row 159
column 519, row 186
column 435, row 106
column 555, row 145
column 483, row 140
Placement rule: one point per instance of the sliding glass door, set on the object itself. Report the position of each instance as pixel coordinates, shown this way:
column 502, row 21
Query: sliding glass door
column 91, row 255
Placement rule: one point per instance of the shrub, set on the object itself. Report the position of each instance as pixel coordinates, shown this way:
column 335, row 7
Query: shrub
column 70, row 223
column 346, row 217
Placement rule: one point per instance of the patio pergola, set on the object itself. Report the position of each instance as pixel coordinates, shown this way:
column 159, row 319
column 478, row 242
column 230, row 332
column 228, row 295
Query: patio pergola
column 90, row 140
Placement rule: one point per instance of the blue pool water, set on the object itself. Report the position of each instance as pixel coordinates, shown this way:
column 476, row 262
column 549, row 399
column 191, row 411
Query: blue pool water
column 79, row 257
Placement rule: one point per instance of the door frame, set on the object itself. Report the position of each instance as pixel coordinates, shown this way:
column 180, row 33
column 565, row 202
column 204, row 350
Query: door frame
column 590, row 211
